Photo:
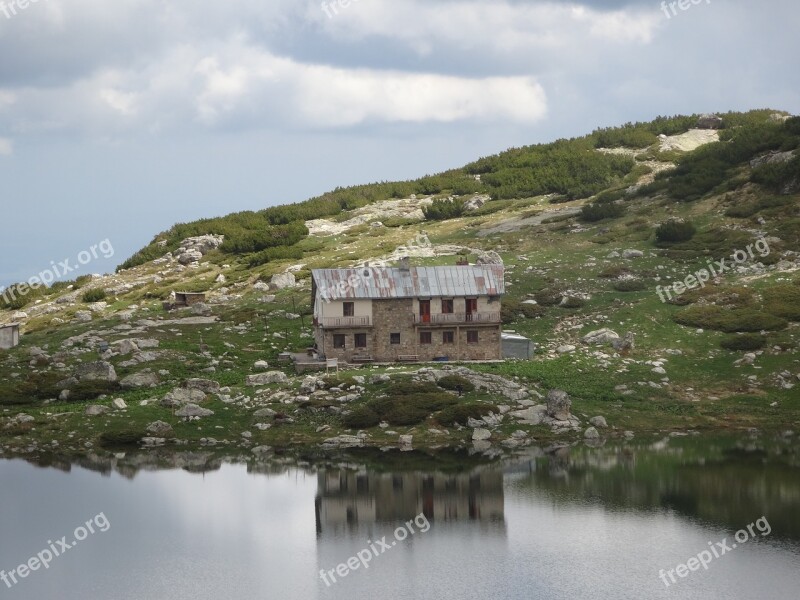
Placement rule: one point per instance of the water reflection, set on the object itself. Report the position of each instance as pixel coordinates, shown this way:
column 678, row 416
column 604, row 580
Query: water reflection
column 348, row 499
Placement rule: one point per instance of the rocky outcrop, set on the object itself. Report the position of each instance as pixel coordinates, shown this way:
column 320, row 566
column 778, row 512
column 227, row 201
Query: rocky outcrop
column 192, row 411
column 267, row 378
column 181, row 396
column 143, row 379
column 559, row 405
column 282, row 281
column 96, row 371
column 600, row 337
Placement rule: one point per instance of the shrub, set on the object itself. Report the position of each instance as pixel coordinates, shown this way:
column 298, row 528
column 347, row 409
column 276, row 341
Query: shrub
column 123, row 437
column 453, row 382
column 597, row 212
column 361, row 417
column 94, row 295
column 745, row 341
column 459, row 414
column 728, row 320
column 572, row 302
column 512, row 308
column 675, row 230
column 89, row 390
column 629, row 285
column 783, row 301
column 443, row 209
column 339, row 381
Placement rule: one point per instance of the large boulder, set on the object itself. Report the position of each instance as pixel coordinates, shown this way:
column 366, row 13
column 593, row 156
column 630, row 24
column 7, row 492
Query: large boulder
column 282, row 281
column 96, row 371
column 126, row 347
column 144, row 379
column 267, row 378
column 559, row 405
column 192, row 410
column 180, row 396
column 600, row 337
column 208, row 386
column 159, row 429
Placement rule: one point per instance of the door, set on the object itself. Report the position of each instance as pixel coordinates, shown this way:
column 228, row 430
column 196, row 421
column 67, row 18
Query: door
column 472, row 307
column 424, row 311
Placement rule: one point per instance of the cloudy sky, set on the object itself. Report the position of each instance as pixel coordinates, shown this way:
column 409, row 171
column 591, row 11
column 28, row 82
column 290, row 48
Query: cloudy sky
column 119, row 118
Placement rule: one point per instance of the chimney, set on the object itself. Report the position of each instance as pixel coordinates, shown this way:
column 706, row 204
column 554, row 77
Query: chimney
column 404, row 264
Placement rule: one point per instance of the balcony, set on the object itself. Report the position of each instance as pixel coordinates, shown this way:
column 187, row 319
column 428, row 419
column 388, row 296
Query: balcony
column 476, row 318
column 345, row 322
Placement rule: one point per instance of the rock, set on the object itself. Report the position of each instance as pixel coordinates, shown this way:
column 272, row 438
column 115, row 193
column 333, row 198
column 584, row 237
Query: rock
column 599, row 422
column 344, row 441
column 475, row 423
column 264, row 412
column 591, row 434
column 181, row 396
column 625, row 344
column 201, row 309
column 282, row 281
column 565, row 349
column 532, row 415
column 150, row 442
column 709, row 121
column 83, row 316
column 261, row 365
column 558, row 405
column 632, row 254
column 406, row 440
column 659, row 370
column 261, row 286
column 190, row 256
column 600, row 337
column 95, row 410
column 476, row 202
column 126, row 347
column 159, row 429
column 220, row 278
column 22, row 418
column 21, row 316
column 267, row 378
column 96, row 371
column 267, row 299
column 261, row 450
column 208, row 386
column 143, row 379
column 119, row 404
column 480, row 435
column 192, row 410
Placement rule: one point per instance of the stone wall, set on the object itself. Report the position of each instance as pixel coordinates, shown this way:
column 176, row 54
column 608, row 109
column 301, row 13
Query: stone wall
column 396, row 316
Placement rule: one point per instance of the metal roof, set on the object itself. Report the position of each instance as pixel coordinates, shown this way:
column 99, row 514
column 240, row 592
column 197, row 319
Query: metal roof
column 416, row 282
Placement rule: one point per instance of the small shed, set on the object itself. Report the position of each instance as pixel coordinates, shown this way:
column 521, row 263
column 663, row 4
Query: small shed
column 184, row 299
column 9, row 336
column 517, row 346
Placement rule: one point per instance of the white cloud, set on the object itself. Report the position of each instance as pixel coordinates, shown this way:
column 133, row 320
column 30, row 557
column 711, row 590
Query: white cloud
column 496, row 27
column 6, row 147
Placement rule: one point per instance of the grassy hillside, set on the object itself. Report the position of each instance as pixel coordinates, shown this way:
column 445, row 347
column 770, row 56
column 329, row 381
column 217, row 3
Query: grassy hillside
column 591, row 230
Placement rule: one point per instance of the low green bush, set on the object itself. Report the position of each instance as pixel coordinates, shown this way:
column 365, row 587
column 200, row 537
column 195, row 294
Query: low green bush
column 361, row 417
column 729, row 320
column 783, row 301
column 453, row 382
column 745, row 341
column 122, row 437
column 94, row 295
column 595, row 211
column 629, row 285
column 675, row 230
column 443, row 209
column 459, row 414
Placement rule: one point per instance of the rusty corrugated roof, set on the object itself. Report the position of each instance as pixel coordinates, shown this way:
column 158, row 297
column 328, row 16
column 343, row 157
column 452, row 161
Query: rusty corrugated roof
column 416, row 282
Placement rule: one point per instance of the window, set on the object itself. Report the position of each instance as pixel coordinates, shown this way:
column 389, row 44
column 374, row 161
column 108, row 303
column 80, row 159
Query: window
column 394, row 339
column 425, row 337
column 448, row 337
column 338, row 340
column 472, row 337
column 447, row 306
column 361, row 340
column 348, row 309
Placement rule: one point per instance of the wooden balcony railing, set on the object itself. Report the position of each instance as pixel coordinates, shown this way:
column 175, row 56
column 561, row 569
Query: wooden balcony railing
column 457, row 318
column 345, row 322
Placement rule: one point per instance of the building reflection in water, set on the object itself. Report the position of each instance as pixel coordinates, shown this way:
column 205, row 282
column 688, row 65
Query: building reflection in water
column 347, row 499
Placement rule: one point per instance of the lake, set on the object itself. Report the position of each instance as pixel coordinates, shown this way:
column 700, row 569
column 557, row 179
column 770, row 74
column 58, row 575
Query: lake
column 558, row 522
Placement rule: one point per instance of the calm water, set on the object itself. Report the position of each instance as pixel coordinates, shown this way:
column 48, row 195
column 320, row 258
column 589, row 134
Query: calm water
column 568, row 523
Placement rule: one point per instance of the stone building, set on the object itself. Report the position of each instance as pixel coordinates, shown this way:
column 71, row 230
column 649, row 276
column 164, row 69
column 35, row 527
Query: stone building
column 405, row 313
column 9, row 336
